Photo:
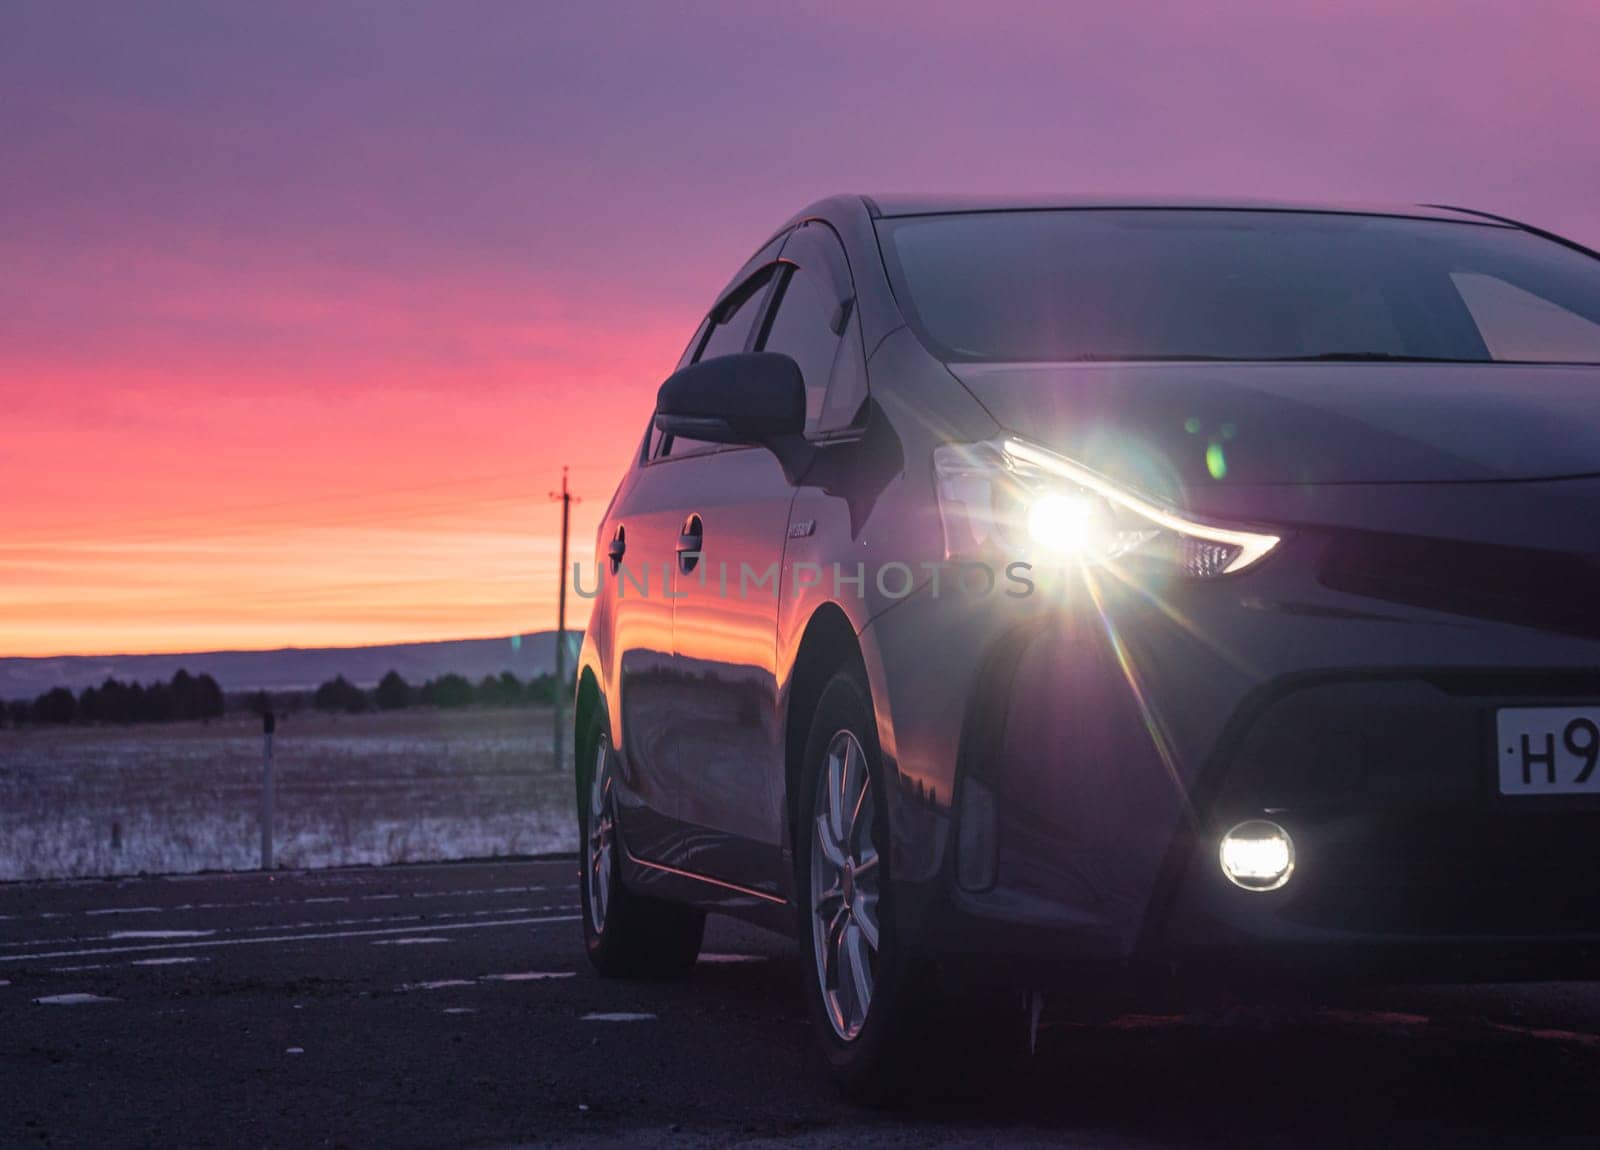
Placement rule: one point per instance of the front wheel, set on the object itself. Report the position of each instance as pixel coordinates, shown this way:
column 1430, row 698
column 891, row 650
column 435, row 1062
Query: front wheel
column 626, row 935
column 890, row 1031
column 863, row 991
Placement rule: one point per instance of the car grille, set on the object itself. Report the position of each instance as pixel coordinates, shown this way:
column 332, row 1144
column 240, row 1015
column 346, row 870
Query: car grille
column 1549, row 590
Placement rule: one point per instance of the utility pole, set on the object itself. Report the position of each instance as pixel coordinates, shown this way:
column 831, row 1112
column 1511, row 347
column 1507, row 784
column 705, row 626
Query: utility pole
column 269, row 723
column 567, row 500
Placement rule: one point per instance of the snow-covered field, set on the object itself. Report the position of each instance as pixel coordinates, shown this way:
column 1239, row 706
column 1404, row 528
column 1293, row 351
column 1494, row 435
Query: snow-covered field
column 351, row 789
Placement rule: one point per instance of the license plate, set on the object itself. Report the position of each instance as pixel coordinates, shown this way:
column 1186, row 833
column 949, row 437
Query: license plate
column 1549, row 750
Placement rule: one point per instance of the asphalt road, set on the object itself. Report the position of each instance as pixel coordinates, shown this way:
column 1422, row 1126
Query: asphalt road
column 452, row 1005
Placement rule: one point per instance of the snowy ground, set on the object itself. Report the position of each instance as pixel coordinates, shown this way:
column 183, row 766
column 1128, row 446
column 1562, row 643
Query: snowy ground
column 401, row 787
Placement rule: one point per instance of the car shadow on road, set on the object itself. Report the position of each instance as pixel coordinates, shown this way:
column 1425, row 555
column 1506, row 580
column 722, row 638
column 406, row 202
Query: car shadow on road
column 1342, row 1070
column 1302, row 1074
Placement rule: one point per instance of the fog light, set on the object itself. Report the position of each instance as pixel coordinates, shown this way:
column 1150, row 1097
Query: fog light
column 1257, row 855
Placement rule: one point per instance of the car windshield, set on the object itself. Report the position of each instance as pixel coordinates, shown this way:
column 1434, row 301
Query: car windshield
column 1157, row 284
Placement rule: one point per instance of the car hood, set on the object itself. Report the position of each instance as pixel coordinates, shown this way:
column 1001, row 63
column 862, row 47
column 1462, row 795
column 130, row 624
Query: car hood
column 1240, row 424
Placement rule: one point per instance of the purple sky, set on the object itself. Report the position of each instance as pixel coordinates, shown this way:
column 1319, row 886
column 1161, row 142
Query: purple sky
column 316, row 252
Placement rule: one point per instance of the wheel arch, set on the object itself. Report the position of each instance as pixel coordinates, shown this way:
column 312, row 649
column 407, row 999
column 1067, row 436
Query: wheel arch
column 828, row 644
column 587, row 701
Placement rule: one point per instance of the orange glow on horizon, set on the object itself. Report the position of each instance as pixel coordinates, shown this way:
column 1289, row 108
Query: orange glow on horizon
column 171, row 518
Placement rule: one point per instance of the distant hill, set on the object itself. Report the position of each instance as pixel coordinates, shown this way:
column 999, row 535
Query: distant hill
column 295, row 668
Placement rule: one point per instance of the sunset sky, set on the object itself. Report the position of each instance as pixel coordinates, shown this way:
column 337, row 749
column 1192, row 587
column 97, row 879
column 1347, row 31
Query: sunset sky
column 303, row 307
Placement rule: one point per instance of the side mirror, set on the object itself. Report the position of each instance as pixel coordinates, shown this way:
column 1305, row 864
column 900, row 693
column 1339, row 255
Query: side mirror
column 755, row 398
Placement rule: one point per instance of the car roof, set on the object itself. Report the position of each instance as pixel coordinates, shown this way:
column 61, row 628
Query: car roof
column 888, row 206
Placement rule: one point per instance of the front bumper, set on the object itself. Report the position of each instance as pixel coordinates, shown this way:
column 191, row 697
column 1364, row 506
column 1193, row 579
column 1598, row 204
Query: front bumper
column 1101, row 745
column 1409, row 863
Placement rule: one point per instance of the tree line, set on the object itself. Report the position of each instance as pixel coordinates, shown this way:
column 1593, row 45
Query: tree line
column 188, row 696
column 184, row 696
column 393, row 693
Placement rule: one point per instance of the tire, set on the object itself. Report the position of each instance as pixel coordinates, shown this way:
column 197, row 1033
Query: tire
column 919, row 1037
column 873, row 1044
column 625, row 934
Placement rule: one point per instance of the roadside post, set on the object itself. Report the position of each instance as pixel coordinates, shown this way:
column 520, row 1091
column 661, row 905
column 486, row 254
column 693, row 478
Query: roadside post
column 269, row 723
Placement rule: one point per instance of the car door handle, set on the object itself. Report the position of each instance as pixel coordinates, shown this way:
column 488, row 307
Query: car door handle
column 690, row 541
column 617, row 549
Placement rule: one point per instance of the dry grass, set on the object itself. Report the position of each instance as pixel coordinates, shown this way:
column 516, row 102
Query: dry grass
column 351, row 789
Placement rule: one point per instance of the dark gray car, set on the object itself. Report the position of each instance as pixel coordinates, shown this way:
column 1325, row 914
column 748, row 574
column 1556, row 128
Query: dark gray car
column 1073, row 589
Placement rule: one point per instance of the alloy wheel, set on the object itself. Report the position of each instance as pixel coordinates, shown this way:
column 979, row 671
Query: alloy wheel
column 845, row 886
column 601, row 827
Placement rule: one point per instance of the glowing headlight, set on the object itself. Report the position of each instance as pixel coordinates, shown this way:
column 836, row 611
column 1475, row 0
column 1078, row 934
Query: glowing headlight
column 1011, row 494
column 1073, row 524
column 1257, row 855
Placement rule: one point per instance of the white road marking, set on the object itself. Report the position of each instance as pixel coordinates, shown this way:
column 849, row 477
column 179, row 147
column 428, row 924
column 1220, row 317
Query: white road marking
column 71, row 999
column 72, row 969
column 724, row 958
column 421, row 921
column 440, row 984
column 120, row 934
column 5, row 982
column 277, row 902
column 417, row 917
column 459, row 1010
column 516, row 976
column 406, row 941
column 310, row 937
column 167, row 961
column 295, row 1050
column 618, row 1016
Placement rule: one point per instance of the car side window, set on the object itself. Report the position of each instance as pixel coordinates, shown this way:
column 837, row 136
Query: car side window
column 653, row 435
column 695, row 341
column 847, row 392
column 736, row 317
column 730, row 327
column 814, row 323
column 803, row 328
